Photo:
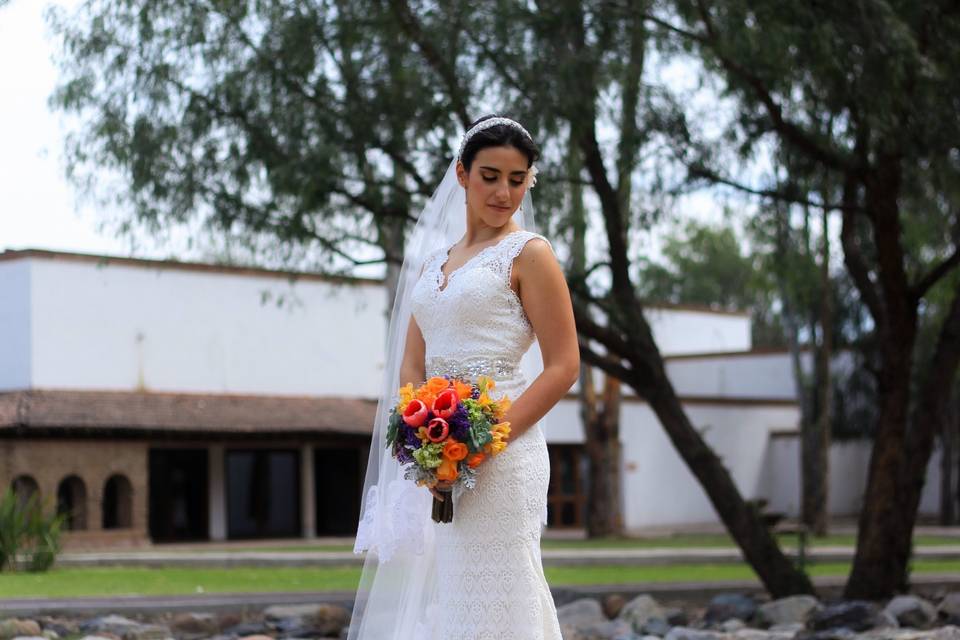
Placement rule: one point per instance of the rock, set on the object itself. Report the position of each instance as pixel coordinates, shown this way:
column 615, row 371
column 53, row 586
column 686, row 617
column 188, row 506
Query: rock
column 730, row 605
column 656, row 627
column 30, row 638
column 257, row 637
column 613, row 605
column 856, row 615
column 247, row 629
column 950, row 605
column 14, row 627
column 911, row 611
column 200, row 623
column 787, row 627
column 311, row 620
column 676, row 617
column 50, row 634
column 840, row 633
column 114, row 626
column 731, row 625
column 950, row 632
column 607, row 630
column 688, row 633
column 789, row 610
column 640, row 610
column 580, row 613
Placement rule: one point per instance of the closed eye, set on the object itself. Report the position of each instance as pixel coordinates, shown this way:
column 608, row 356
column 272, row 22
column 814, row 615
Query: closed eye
column 515, row 183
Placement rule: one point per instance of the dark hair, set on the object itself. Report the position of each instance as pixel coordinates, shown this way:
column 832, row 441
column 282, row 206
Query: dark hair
column 499, row 135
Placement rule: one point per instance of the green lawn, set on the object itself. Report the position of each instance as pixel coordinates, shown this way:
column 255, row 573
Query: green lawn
column 668, row 542
column 144, row 581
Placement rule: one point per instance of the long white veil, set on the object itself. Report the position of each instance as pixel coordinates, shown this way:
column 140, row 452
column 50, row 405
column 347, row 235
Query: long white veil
column 395, row 527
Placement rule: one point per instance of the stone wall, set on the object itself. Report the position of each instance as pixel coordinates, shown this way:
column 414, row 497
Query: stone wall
column 50, row 461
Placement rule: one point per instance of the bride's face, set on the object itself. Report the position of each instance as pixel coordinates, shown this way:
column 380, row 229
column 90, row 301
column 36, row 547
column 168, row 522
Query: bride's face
column 495, row 184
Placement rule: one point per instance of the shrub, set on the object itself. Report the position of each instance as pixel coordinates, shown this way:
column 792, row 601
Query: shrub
column 29, row 537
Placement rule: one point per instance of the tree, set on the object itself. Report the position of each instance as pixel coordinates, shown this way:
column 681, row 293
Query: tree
column 864, row 94
column 555, row 64
column 293, row 128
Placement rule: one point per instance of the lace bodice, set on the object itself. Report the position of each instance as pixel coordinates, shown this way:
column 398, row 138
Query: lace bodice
column 474, row 320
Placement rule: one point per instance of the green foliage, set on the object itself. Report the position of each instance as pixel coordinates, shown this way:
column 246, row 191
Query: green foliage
column 295, row 129
column 27, row 532
column 703, row 265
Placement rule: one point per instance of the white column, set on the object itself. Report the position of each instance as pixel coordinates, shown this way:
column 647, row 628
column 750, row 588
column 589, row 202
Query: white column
column 308, row 516
column 217, row 495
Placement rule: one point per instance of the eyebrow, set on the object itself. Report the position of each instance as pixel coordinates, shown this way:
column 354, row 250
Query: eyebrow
column 498, row 170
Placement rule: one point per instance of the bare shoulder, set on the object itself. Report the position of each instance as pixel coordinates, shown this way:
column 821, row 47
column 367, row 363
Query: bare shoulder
column 536, row 265
column 537, row 254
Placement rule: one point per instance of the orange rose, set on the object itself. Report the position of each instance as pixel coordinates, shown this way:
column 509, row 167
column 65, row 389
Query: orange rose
column 437, row 384
column 447, row 471
column 455, row 451
column 475, row 459
column 425, row 396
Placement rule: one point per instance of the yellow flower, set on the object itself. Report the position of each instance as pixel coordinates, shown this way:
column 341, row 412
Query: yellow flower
column 406, row 395
column 502, row 429
column 503, row 405
column 485, row 383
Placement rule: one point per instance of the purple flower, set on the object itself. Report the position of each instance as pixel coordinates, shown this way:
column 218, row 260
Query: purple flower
column 459, row 423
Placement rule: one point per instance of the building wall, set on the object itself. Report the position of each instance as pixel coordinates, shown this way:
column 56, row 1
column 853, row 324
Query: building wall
column 15, row 357
column 680, row 331
column 126, row 327
column 659, row 489
column 849, row 463
column 762, row 375
column 48, row 462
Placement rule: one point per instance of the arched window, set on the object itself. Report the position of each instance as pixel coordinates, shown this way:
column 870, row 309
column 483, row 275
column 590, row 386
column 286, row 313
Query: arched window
column 72, row 502
column 25, row 486
column 117, row 503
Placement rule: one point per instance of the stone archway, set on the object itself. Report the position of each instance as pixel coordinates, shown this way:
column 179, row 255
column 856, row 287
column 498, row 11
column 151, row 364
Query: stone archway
column 72, row 503
column 117, row 502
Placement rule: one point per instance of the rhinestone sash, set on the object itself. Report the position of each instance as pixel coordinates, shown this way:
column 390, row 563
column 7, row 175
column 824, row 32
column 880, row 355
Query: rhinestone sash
column 468, row 368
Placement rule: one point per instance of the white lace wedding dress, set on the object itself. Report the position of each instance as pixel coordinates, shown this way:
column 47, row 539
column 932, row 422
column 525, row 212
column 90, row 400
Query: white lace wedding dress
column 489, row 576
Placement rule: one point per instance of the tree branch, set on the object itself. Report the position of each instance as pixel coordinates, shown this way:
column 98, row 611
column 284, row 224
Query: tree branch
column 920, row 288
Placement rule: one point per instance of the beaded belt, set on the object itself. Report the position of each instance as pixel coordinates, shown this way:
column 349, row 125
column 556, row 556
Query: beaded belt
column 468, row 368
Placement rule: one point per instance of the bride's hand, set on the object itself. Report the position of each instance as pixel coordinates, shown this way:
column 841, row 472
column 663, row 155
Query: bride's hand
column 440, row 485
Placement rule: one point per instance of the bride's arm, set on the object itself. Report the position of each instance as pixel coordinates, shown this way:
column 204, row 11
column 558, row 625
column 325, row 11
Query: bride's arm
column 543, row 292
column 412, row 366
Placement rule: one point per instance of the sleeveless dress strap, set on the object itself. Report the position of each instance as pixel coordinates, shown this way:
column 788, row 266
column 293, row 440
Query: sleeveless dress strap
column 511, row 248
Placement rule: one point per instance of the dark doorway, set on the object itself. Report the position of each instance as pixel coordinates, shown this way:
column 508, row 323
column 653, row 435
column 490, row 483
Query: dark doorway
column 567, row 496
column 263, row 493
column 178, row 495
column 337, row 487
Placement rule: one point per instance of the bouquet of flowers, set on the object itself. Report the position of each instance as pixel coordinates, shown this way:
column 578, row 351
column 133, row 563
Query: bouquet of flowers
column 443, row 430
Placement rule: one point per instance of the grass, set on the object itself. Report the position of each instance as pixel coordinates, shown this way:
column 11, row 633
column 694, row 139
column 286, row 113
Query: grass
column 111, row 581
column 665, row 542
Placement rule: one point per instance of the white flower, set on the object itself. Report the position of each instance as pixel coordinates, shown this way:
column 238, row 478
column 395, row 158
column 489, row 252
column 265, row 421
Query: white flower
column 532, row 176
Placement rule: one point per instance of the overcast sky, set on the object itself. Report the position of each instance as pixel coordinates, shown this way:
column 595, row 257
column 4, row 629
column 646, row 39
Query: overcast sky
column 38, row 208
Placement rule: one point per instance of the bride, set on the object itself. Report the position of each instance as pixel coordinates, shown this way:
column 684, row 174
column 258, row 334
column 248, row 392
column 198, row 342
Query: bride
column 476, row 291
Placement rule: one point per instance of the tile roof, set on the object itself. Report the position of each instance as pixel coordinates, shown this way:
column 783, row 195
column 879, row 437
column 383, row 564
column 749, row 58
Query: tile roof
column 68, row 411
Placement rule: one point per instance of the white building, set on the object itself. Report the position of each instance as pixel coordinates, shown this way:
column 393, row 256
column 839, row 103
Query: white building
column 169, row 401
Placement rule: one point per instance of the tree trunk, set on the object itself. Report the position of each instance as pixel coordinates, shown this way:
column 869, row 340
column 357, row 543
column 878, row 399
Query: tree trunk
column 604, row 515
column 759, row 546
column 816, row 440
column 949, row 440
column 898, row 463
